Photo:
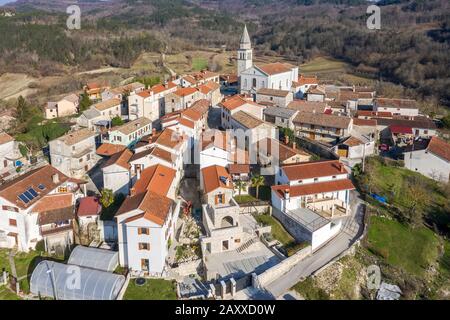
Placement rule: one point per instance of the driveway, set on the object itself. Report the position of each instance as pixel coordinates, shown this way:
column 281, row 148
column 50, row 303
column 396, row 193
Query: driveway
column 352, row 228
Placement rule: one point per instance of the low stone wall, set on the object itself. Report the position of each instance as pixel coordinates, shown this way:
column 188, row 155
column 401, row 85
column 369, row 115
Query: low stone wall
column 187, row 268
column 253, row 209
column 283, row 267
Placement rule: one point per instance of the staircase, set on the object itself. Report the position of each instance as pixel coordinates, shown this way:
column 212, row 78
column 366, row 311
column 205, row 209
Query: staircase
column 246, row 245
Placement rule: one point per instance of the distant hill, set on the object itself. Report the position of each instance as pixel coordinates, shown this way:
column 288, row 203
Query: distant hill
column 410, row 49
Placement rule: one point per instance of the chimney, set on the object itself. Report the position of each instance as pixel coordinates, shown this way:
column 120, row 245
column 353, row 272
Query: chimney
column 354, row 88
column 294, row 145
column 55, row 178
column 132, row 191
column 342, row 168
column 286, row 194
column 138, row 173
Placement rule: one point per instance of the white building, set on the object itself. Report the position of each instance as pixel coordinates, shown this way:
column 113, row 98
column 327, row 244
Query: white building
column 274, row 97
column 310, row 194
column 74, row 153
column 116, row 172
column 430, row 157
column 128, row 133
column 238, row 103
column 67, row 106
column 8, row 152
column 403, row 107
column 252, row 77
column 146, row 222
column 30, row 197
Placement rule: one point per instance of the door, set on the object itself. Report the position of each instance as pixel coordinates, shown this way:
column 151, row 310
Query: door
column 225, row 245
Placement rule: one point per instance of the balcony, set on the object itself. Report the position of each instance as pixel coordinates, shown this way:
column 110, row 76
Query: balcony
column 80, row 153
column 329, row 207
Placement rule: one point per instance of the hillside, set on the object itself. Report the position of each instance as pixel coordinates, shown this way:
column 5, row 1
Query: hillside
column 410, row 49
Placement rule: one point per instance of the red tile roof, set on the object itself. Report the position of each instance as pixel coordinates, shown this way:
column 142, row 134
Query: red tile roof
column 239, row 168
column 182, row 92
column 158, row 88
column 365, row 122
column 401, row 129
column 54, row 202
column 109, row 149
column 154, row 207
column 169, row 138
column 120, row 159
column 144, row 94
column 187, row 123
column 275, row 68
column 211, row 178
column 157, row 178
column 89, row 206
column 314, row 188
column 440, row 148
column 44, row 175
column 4, row 138
column 314, row 169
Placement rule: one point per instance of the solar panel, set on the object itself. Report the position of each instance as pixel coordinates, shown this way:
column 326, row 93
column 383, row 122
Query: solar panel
column 33, row 192
column 41, row 186
column 28, row 195
column 23, row 198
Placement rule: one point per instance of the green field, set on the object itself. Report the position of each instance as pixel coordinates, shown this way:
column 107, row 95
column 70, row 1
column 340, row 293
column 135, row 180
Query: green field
column 153, row 289
column 199, row 64
column 413, row 250
column 6, row 294
column 323, row 64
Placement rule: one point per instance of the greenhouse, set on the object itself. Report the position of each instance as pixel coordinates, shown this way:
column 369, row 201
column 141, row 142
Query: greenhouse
column 70, row 282
column 94, row 258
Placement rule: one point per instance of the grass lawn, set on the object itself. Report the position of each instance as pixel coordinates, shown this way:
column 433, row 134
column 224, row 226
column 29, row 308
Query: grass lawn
column 323, row 64
column 6, row 294
column 25, row 264
column 309, row 290
column 280, row 233
column 413, row 250
column 153, row 289
column 244, row 198
column 199, row 64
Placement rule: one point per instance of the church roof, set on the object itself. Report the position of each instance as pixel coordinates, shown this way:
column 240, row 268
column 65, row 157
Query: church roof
column 245, row 38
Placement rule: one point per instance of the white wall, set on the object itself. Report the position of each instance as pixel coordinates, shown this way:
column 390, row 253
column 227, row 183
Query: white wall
column 116, row 178
column 428, row 164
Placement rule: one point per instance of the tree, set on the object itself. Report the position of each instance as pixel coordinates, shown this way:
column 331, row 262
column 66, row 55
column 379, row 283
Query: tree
column 258, row 181
column 240, row 185
column 419, row 199
column 116, row 121
column 85, row 102
column 107, row 198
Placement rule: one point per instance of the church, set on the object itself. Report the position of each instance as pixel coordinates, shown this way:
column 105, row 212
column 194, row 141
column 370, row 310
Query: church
column 278, row 76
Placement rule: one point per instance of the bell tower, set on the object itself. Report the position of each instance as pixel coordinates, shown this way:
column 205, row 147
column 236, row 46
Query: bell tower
column 245, row 53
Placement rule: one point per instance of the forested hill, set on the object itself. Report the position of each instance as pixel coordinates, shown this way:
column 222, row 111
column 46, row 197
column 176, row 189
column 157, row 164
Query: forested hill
column 411, row 48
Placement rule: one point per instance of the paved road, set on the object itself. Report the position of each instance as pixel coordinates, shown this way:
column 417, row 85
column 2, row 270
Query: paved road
column 351, row 230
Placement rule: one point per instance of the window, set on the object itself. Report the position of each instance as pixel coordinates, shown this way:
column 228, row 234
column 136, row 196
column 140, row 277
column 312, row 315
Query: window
column 145, row 265
column 144, row 246
column 254, row 82
column 13, row 222
column 334, row 177
column 425, row 132
column 220, row 198
column 316, row 179
column 73, row 148
column 300, row 181
column 144, row 231
column 88, row 157
column 271, row 98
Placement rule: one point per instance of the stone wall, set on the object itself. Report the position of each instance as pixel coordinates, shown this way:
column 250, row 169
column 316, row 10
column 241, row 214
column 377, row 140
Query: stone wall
column 188, row 268
column 316, row 148
column 283, row 267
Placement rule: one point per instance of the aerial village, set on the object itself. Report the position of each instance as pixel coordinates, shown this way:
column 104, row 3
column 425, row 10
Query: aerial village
column 187, row 187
